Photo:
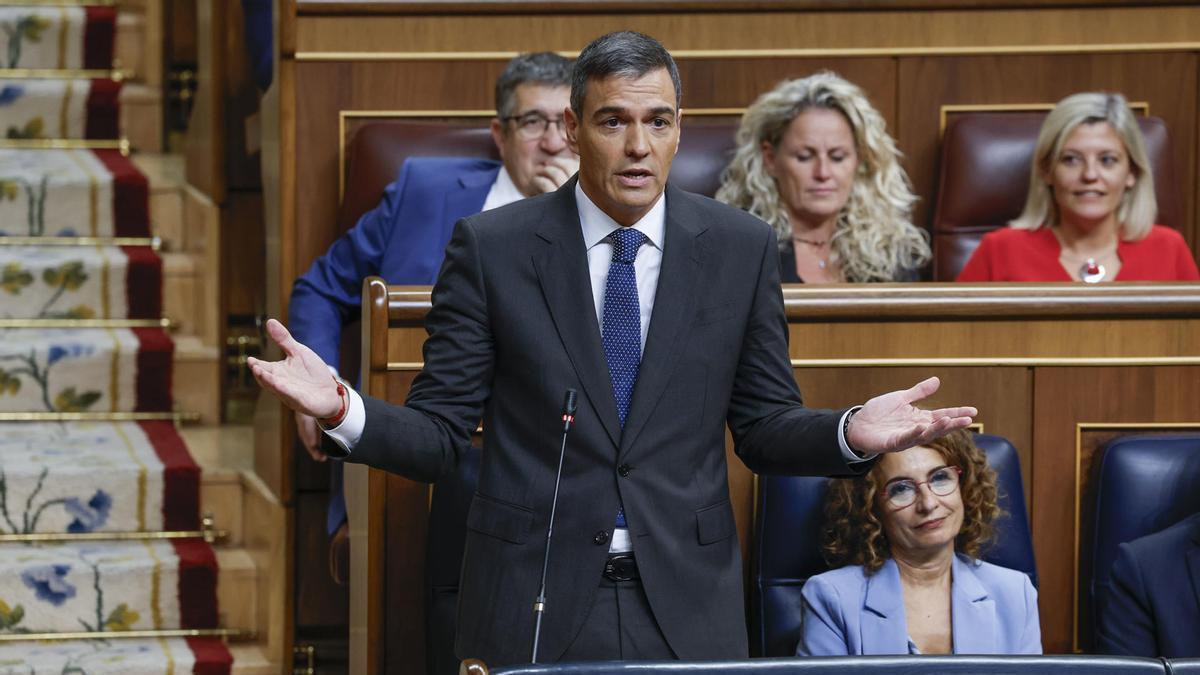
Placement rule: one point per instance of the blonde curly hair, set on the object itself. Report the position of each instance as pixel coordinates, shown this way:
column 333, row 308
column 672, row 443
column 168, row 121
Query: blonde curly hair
column 854, row 535
column 874, row 239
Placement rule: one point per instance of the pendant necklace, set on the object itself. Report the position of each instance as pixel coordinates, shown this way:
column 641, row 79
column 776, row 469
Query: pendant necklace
column 1092, row 272
column 822, row 260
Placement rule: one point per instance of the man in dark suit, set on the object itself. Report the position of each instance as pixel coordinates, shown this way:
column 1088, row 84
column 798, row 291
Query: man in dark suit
column 1152, row 607
column 570, row 290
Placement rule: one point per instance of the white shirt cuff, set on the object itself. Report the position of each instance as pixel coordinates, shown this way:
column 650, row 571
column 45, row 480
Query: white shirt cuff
column 850, row 456
column 347, row 433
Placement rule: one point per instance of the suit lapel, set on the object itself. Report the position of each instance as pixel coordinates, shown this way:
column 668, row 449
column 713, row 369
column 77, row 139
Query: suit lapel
column 884, row 628
column 562, row 271
column 467, row 195
column 674, row 306
column 973, row 613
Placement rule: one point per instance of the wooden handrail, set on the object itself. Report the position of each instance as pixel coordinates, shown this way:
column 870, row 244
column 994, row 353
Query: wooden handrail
column 407, row 305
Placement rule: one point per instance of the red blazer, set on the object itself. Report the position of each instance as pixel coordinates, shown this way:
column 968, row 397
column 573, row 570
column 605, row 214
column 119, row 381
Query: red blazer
column 1009, row 254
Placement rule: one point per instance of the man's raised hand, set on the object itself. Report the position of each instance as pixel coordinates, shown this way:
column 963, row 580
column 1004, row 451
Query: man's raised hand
column 890, row 423
column 301, row 380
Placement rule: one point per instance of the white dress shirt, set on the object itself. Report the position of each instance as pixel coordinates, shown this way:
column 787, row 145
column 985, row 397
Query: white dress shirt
column 503, row 191
column 596, row 226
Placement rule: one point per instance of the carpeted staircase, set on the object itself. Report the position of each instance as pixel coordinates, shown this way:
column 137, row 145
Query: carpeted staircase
column 90, row 454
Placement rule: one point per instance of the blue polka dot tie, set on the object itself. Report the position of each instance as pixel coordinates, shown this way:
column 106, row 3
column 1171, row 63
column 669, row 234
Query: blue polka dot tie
column 622, row 326
column 621, row 331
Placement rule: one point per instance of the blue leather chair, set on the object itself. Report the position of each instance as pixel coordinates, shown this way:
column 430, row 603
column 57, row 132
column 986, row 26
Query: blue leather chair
column 893, row 665
column 1145, row 484
column 786, row 549
column 1183, row 666
column 447, row 537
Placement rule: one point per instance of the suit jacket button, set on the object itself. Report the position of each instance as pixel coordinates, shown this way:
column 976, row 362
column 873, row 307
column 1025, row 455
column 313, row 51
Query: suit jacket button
column 601, row 538
column 624, row 470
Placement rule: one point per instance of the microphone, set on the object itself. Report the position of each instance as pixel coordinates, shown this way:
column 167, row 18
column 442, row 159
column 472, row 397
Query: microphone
column 570, row 405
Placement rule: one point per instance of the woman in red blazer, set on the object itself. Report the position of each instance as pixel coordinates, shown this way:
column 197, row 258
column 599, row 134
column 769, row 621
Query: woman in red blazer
column 1090, row 211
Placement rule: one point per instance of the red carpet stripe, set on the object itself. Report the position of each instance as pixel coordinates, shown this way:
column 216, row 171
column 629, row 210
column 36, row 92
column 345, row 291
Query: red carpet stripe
column 212, row 656
column 103, row 110
column 131, row 195
column 154, row 360
column 197, row 583
column 181, row 477
column 98, row 33
column 143, row 282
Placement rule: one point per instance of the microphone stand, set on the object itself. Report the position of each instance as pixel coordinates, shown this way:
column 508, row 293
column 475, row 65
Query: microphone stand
column 570, row 405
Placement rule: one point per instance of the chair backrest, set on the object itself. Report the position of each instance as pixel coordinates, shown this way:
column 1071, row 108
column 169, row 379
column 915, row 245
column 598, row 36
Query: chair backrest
column 788, row 537
column 378, row 150
column 893, row 665
column 984, row 179
column 447, row 537
column 1145, row 484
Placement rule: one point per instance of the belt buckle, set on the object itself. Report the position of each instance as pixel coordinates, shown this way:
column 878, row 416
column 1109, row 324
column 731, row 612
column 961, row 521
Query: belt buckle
column 620, row 568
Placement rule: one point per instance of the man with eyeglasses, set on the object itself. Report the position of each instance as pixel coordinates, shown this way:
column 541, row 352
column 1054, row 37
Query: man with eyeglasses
column 403, row 239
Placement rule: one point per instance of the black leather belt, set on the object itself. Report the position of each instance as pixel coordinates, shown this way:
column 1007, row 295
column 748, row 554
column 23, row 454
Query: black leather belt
column 621, row 567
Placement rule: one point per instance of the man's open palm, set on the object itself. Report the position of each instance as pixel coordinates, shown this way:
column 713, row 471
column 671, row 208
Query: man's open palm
column 301, row 380
column 890, row 423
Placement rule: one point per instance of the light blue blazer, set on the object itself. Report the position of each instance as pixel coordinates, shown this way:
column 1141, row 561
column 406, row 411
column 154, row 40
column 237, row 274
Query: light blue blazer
column 847, row 613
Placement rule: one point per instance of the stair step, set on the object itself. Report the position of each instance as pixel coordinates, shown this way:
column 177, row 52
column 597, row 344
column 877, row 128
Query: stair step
column 123, row 585
column 96, row 477
column 237, row 589
column 63, row 193
column 130, row 50
column 137, row 656
column 165, row 173
column 77, row 282
column 198, row 365
column 59, row 108
column 58, row 37
column 85, row 370
column 142, row 116
column 251, row 659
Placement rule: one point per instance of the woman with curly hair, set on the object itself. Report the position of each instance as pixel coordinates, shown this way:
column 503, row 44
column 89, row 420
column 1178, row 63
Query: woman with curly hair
column 904, row 542
column 814, row 160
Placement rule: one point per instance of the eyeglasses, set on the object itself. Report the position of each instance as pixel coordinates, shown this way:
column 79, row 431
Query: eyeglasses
column 533, row 125
column 902, row 493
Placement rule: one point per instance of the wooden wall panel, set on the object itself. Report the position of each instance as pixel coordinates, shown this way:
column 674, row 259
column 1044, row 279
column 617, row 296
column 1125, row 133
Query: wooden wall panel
column 467, row 85
column 928, row 83
column 1064, row 399
column 699, row 30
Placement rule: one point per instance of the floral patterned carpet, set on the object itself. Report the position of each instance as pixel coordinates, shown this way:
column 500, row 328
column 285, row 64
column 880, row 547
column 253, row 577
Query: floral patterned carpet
column 87, row 478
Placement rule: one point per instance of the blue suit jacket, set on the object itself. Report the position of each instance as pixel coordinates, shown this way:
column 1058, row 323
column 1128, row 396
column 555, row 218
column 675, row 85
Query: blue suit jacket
column 847, row 613
column 1153, row 606
column 402, row 240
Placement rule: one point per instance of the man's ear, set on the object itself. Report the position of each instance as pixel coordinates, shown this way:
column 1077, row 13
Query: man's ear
column 679, row 126
column 572, row 128
column 498, row 135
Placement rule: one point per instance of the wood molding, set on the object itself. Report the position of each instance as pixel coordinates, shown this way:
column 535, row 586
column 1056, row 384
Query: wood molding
column 687, row 54
column 353, row 7
column 944, row 111
column 935, row 301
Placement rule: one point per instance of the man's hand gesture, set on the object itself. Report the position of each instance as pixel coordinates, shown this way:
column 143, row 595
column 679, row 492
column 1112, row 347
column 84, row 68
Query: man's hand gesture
column 301, row 380
column 891, row 423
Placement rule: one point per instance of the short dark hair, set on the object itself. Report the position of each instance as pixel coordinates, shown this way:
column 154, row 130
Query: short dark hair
column 544, row 68
column 626, row 54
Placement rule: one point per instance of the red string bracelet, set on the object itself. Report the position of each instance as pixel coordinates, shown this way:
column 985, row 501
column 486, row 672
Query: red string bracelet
column 344, row 398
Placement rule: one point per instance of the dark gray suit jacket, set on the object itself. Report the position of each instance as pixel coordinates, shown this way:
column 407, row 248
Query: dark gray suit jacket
column 511, row 328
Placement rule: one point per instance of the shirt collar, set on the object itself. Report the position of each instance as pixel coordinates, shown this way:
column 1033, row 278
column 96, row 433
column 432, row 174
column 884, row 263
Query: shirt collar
column 597, row 225
column 504, row 189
